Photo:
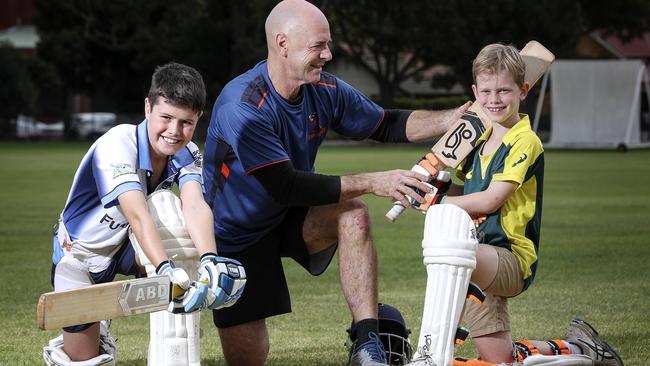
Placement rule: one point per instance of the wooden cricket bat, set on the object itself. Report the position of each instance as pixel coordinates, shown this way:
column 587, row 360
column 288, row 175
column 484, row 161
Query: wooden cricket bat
column 454, row 146
column 104, row 301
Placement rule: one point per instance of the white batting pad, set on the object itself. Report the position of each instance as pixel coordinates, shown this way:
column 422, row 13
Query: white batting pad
column 56, row 356
column 173, row 338
column 166, row 212
column 449, row 249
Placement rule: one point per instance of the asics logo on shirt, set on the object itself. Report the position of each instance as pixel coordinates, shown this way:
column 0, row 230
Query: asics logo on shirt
column 112, row 224
column 522, row 158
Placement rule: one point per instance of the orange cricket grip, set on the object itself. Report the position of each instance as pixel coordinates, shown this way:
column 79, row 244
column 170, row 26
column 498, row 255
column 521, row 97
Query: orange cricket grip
column 432, row 164
column 428, row 166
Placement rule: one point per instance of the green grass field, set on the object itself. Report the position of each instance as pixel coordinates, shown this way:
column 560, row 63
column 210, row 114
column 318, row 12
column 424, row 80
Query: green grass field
column 593, row 258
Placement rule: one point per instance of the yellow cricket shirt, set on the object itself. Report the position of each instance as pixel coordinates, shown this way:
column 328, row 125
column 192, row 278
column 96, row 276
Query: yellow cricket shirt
column 516, row 224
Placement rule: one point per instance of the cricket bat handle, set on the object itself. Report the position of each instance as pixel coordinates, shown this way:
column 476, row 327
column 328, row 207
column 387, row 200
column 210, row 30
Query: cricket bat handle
column 434, row 182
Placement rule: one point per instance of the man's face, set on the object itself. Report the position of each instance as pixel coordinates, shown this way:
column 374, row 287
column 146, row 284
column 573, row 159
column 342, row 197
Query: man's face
column 499, row 96
column 307, row 52
column 169, row 127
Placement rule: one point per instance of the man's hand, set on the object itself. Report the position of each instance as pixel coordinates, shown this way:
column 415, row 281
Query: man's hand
column 225, row 278
column 187, row 296
column 456, row 114
column 398, row 184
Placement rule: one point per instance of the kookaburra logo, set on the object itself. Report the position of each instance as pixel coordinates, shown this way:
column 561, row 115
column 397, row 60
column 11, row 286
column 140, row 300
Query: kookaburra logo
column 427, row 344
column 469, row 130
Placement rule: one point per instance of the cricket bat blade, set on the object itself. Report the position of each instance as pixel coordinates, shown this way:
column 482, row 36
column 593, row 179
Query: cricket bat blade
column 104, row 301
column 538, row 59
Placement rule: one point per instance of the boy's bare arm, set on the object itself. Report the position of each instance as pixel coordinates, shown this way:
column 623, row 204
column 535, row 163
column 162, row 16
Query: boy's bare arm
column 136, row 211
column 487, row 201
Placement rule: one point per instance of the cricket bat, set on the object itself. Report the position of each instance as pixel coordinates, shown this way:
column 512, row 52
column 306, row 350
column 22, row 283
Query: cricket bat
column 454, row 146
column 104, row 301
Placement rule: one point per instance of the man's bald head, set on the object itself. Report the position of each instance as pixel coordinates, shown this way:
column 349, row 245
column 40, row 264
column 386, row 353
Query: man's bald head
column 297, row 36
column 291, row 17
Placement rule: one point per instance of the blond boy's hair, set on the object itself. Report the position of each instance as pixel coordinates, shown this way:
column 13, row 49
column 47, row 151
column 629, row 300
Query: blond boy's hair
column 496, row 57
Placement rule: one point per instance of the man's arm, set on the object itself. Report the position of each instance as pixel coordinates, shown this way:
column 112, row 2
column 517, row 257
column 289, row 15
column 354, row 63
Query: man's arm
column 198, row 218
column 292, row 187
column 136, row 211
column 424, row 125
column 484, row 202
column 396, row 184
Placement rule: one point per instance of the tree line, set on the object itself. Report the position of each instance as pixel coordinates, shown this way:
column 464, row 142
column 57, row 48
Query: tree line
column 109, row 48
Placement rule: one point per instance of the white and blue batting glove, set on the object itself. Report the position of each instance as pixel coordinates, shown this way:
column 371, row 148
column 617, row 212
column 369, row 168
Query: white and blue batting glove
column 226, row 278
column 186, row 296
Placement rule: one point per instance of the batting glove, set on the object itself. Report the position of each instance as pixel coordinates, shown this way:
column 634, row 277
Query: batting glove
column 226, row 278
column 186, row 296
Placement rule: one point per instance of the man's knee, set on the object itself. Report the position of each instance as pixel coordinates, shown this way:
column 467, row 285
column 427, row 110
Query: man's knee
column 325, row 225
column 355, row 215
column 245, row 344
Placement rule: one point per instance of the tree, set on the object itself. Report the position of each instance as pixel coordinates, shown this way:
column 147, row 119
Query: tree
column 109, row 48
column 391, row 41
column 394, row 41
column 17, row 94
column 30, row 85
column 625, row 18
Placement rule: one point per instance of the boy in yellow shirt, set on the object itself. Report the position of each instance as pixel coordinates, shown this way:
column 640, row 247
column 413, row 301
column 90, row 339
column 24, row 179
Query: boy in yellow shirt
column 503, row 186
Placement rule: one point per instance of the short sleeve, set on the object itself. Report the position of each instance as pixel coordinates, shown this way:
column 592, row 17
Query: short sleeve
column 523, row 154
column 358, row 116
column 250, row 135
column 114, row 164
column 192, row 169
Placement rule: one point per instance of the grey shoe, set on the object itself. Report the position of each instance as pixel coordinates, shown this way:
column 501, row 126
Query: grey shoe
column 370, row 353
column 107, row 344
column 583, row 335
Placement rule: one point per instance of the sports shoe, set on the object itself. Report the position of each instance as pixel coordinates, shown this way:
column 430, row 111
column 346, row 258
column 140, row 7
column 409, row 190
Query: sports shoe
column 107, row 344
column 583, row 335
column 370, row 353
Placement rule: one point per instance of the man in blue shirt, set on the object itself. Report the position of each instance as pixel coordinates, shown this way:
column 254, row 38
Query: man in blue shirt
column 268, row 202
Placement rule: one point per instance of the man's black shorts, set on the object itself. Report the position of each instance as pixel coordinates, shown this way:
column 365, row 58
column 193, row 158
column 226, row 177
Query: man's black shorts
column 266, row 292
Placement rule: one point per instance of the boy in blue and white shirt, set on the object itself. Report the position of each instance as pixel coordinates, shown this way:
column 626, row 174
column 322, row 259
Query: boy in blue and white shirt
column 107, row 200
